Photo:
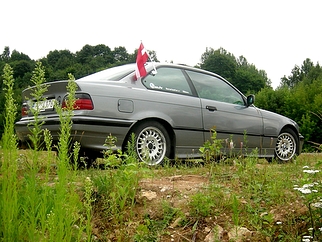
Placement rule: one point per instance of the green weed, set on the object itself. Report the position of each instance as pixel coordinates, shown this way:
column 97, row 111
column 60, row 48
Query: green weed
column 9, row 203
column 211, row 149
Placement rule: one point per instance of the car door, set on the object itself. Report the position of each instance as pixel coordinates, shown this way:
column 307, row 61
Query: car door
column 225, row 109
column 172, row 99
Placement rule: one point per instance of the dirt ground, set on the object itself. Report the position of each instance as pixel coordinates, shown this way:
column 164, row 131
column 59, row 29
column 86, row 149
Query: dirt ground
column 176, row 190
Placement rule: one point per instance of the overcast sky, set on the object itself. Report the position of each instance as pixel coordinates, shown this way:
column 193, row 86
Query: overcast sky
column 274, row 35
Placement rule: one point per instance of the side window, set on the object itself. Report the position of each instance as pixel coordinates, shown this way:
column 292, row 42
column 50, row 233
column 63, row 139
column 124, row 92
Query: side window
column 211, row 87
column 168, row 80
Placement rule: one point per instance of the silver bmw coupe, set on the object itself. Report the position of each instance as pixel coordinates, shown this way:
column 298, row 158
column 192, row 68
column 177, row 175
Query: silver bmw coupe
column 171, row 112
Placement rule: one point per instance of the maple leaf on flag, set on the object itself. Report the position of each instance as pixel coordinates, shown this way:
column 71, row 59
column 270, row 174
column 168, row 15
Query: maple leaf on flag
column 141, row 59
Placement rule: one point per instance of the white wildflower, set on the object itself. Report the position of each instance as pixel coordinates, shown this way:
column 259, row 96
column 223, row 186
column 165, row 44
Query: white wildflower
column 317, row 205
column 311, row 171
column 303, row 190
column 308, row 185
column 278, row 222
column 306, row 167
column 307, row 238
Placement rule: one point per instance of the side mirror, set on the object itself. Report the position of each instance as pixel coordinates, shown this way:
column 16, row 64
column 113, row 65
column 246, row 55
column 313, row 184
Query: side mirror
column 250, row 100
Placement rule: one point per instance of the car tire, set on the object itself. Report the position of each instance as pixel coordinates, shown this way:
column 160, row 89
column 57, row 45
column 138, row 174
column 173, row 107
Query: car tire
column 152, row 143
column 286, row 145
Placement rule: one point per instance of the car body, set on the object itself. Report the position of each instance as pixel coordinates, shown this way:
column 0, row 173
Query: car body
column 171, row 111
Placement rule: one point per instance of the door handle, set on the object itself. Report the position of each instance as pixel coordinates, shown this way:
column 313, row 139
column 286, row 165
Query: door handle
column 211, row 108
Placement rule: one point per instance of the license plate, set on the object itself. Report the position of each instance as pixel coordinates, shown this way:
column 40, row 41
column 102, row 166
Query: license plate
column 44, row 105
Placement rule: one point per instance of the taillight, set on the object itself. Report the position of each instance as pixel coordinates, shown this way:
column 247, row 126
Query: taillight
column 24, row 111
column 83, row 102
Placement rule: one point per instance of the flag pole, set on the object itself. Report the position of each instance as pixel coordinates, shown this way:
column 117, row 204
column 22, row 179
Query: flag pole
column 153, row 63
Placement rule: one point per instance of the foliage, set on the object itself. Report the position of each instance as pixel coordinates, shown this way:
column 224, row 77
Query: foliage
column 211, row 150
column 311, row 188
column 9, row 178
column 35, row 207
column 38, row 80
column 299, row 98
column 245, row 76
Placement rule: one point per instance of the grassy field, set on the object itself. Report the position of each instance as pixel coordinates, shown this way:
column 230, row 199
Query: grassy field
column 233, row 200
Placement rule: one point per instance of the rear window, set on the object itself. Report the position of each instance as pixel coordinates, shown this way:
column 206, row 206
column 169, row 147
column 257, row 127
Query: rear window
column 111, row 74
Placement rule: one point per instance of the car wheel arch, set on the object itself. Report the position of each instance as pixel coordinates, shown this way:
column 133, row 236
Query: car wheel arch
column 162, row 122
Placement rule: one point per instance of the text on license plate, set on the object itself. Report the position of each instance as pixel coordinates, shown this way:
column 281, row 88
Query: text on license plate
column 43, row 105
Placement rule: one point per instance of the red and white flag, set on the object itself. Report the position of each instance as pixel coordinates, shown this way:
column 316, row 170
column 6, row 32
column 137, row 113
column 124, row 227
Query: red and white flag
column 141, row 58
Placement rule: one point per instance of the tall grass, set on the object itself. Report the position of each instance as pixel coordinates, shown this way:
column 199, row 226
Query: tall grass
column 67, row 206
column 40, row 198
column 9, row 229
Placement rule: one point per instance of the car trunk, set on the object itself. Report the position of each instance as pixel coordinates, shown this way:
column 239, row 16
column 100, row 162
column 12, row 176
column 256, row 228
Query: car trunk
column 56, row 91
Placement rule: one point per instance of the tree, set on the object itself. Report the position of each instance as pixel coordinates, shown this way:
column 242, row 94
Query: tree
column 209, row 51
column 16, row 56
column 153, row 56
column 61, row 59
column 5, row 54
column 273, row 100
column 120, row 55
column 220, row 62
column 298, row 74
column 104, row 54
column 246, row 77
column 85, row 55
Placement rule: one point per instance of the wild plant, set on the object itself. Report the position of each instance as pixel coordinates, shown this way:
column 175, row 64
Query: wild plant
column 67, row 204
column 208, row 202
column 38, row 80
column 118, row 186
column 46, row 202
column 65, row 118
column 151, row 228
column 311, row 190
column 88, row 201
column 236, row 211
column 211, row 148
column 32, row 182
column 244, row 144
column 112, row 157
column 9, row 202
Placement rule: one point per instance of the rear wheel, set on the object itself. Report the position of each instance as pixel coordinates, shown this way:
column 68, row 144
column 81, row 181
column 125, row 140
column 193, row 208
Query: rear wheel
column 152, row 143
column 286, row 145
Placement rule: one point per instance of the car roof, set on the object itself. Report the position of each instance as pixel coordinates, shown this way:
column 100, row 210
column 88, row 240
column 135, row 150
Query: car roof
column 119, row 72
column 149, row 67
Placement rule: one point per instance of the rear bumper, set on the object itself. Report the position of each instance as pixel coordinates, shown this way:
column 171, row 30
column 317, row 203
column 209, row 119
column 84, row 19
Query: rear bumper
column 90, row 132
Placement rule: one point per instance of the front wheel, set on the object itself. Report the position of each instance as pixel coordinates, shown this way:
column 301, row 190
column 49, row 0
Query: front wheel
column 286, row 145
column 152, row 143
